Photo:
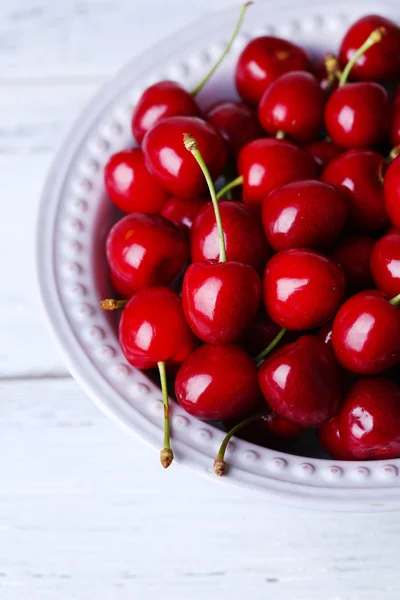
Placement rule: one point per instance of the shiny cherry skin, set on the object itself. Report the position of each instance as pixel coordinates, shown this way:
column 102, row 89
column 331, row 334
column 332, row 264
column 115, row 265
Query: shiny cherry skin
column 220, row 299
column 237, row 123
column 244, row 235
column 370, row 419
column 183, row 211
column 121, row 290
column 330, row 439
column 394, row 123
column 366, row 333
column 391, row 188
column 130, row 185
column 174, row 167
column 359, row 173
column 302, row 289
column 153, row 329
column 385, row 264
column 353, row 255
column 145, row 250
column 158, row 102
column 267, row 164
column 304, row 214
column 260, row 333
column 217, row 383
column 294, row 104
column 323, row 152
column 262, row 61
column 381, row 61
column 357, row 115
column 300, row 382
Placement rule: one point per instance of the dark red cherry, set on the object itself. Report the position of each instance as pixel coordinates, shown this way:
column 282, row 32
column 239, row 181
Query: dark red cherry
column 130, row 185
column 366, row 333
column 323, row 152
column 385, row 264
column 262, row 61
column 302, row 289
column 183, row 211
column 173, row 166
column 300, row 382
column 153, row 329
column 293, row 104
column 357, row 115
column 268, row 164
column 360, row 174
column 217, row 383
column 145, row 250
column 370, row 419
column 160, row 101
column 121, row 290
column 220, row 299
column 237, row 123
column 353, row 255
column 304, row 214
column 331, row 440
column 328, row 81
column 394, row 123
column 391, row 189
column 243, row 233
column 381, row 61
column 325, row 332
column 260, row 333
column 279, row 427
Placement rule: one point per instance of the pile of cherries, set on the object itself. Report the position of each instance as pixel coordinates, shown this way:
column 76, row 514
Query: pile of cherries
column 272, row 305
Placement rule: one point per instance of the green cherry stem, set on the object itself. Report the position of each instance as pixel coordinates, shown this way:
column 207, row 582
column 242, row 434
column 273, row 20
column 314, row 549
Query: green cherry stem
column 232, row 184
column 238, row 25
column 373, row 38
column 271, row 346
column 166, row 454
column 191, row 146
column 111, row 304
column 395, row 301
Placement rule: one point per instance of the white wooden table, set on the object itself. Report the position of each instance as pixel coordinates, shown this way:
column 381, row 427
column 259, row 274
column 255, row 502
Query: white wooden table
column 85, row 511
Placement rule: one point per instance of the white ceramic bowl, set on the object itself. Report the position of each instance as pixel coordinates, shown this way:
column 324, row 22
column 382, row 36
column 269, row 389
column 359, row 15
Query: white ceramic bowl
column 74, row 219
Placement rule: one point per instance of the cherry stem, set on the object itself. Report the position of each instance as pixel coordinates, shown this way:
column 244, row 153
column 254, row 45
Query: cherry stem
column 238, row 25
column 219, row 463
column 394, row 153
column 332, row 70
column 191, row 145
column 111, row 304
column 280, row 135
column 395, row 301
column 166, row 454
column 271, row 346
column 373, row 38
column 232, row 184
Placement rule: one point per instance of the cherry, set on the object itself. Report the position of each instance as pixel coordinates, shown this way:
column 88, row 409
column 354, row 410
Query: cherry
column 381, row 61
column 279, row 427
column 174, row 168
column 366, row 333
column 268, row 164
column 300, row 382
column 217, row 383
column 243, row 233
column 262, row 61
column 394, row 124
column 145, row 250
column 183, row 211
column 326, row 70
column 385, row 264
column 302, row 289
column 391, row 189
column 304, row 214
column 293, row 105
column 360, row 174
column 370, row 419
column 237, row 123
column 325, row 333
column 323, row 152
column 122, row 290
column 260, row 333
column 331, row 440
column 353, row 255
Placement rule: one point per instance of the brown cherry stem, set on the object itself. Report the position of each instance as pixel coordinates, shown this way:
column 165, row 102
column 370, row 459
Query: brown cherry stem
column 232, row 184
column 166, row 454
column 271, row 346
column 395, row 301
column 280, row 135
column 373, row 38
column 111, row 304
column 394, row 153
column 332, row 70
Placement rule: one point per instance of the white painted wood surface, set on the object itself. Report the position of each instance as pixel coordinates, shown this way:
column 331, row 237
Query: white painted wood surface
column 85, row 510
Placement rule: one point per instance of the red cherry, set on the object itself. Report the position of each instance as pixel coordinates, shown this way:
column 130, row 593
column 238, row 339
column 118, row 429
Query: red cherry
column 391, row 189
column 217, row 383
column 173, row 166
column 385, row 264
column 268, row 164
column 331, row 440
column 392, row 229
column 327, row 77
column 300, row 382
column 325, row 333
column 153, row 329
column 360, row 174
column 302, row 289
column 370, row 419
column 243, row 233
column 366, row 333
column 356, row 115
column 353, row 255
column 304, row 214
column 323, row 152
column 262, row 61
column 183, row 211
column 220, row 299
column 237, row 123
column 260, row 333
column 279, row 427
column 130, row 185
column 394, row 123
column 381, row 61
column 122, row 290
column 293, row 104
column 158, row 102
column 145, row 250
